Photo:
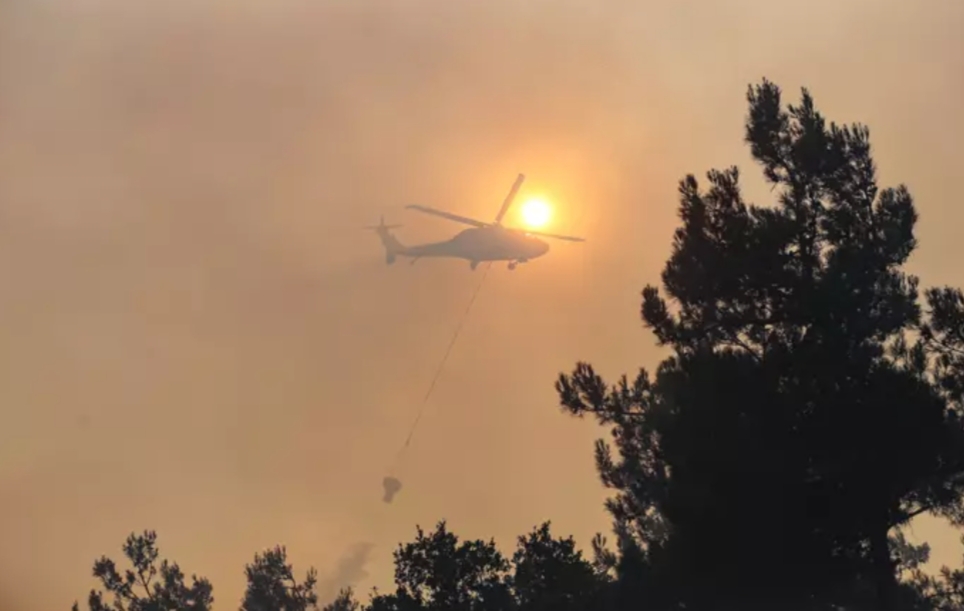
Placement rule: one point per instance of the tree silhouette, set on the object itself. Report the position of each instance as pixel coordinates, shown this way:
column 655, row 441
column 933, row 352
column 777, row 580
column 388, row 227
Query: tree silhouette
column 944, row 592
column 809, row 407
column 345, row 601
column 153, row 586
column 272, row 585
column 147, row 586
column 545, row 573
column 439, row 572
column 551, row 574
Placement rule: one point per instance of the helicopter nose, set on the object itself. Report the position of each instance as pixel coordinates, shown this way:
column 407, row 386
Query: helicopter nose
column 542, row 248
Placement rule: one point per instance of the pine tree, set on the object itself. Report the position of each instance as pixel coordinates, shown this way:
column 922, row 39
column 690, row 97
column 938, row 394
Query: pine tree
column 809, row 406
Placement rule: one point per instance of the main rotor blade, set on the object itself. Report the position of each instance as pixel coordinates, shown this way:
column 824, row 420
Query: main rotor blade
column 509, row 198
column 448, row 215
column 554, row 236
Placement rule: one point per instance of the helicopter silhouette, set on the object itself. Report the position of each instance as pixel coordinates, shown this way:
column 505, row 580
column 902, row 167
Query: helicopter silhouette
column 483, row 242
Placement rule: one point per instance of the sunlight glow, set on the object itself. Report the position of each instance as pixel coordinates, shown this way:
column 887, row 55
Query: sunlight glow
column 536, row 212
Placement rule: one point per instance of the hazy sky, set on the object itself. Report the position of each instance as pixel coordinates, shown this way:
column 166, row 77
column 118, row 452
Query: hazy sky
column 199, row 338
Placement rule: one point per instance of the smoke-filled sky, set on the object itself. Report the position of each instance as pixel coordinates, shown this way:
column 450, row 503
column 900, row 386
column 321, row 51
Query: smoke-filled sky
column 199, row 338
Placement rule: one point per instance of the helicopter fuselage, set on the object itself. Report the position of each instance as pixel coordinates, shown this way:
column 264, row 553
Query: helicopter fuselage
column 478, row 245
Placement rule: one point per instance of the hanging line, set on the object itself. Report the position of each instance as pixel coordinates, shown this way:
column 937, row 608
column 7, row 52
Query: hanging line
column 445, row 358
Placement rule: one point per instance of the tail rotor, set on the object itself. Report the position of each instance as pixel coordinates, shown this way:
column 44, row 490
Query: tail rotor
column 381, row 226
column 393, row 247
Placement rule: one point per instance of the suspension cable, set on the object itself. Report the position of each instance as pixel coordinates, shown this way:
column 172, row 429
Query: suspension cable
column 441, row 366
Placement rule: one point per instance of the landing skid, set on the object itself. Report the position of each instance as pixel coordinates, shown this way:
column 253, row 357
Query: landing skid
column 512, row 264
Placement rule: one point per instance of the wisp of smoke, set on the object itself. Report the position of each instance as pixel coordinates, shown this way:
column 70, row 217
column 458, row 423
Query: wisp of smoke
column 349, row 570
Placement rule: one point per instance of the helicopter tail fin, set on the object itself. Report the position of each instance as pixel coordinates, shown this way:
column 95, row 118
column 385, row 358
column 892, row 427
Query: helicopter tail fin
column 392, row 246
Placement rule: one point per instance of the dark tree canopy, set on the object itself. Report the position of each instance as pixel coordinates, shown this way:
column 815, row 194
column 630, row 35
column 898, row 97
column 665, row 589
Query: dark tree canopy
column 811, row 404
column 272, row 585
column 436, row 571
column 345, row 601
column 439, row 572
column 147, row 585
column 944, row 592
column 552, row 575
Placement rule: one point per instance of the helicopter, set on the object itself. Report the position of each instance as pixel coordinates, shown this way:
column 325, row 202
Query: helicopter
column 483, row 242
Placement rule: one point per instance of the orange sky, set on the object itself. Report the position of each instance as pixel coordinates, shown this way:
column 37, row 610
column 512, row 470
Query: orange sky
column 199, row 339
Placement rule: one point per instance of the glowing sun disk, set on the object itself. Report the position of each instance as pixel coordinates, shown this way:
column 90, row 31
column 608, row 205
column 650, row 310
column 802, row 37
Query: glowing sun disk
column 536, row 212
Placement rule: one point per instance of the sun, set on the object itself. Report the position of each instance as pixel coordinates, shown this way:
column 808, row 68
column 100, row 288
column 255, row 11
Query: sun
column 536, row 212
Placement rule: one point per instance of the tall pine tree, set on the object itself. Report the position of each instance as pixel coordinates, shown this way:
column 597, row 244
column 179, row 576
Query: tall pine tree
column 811, row 404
